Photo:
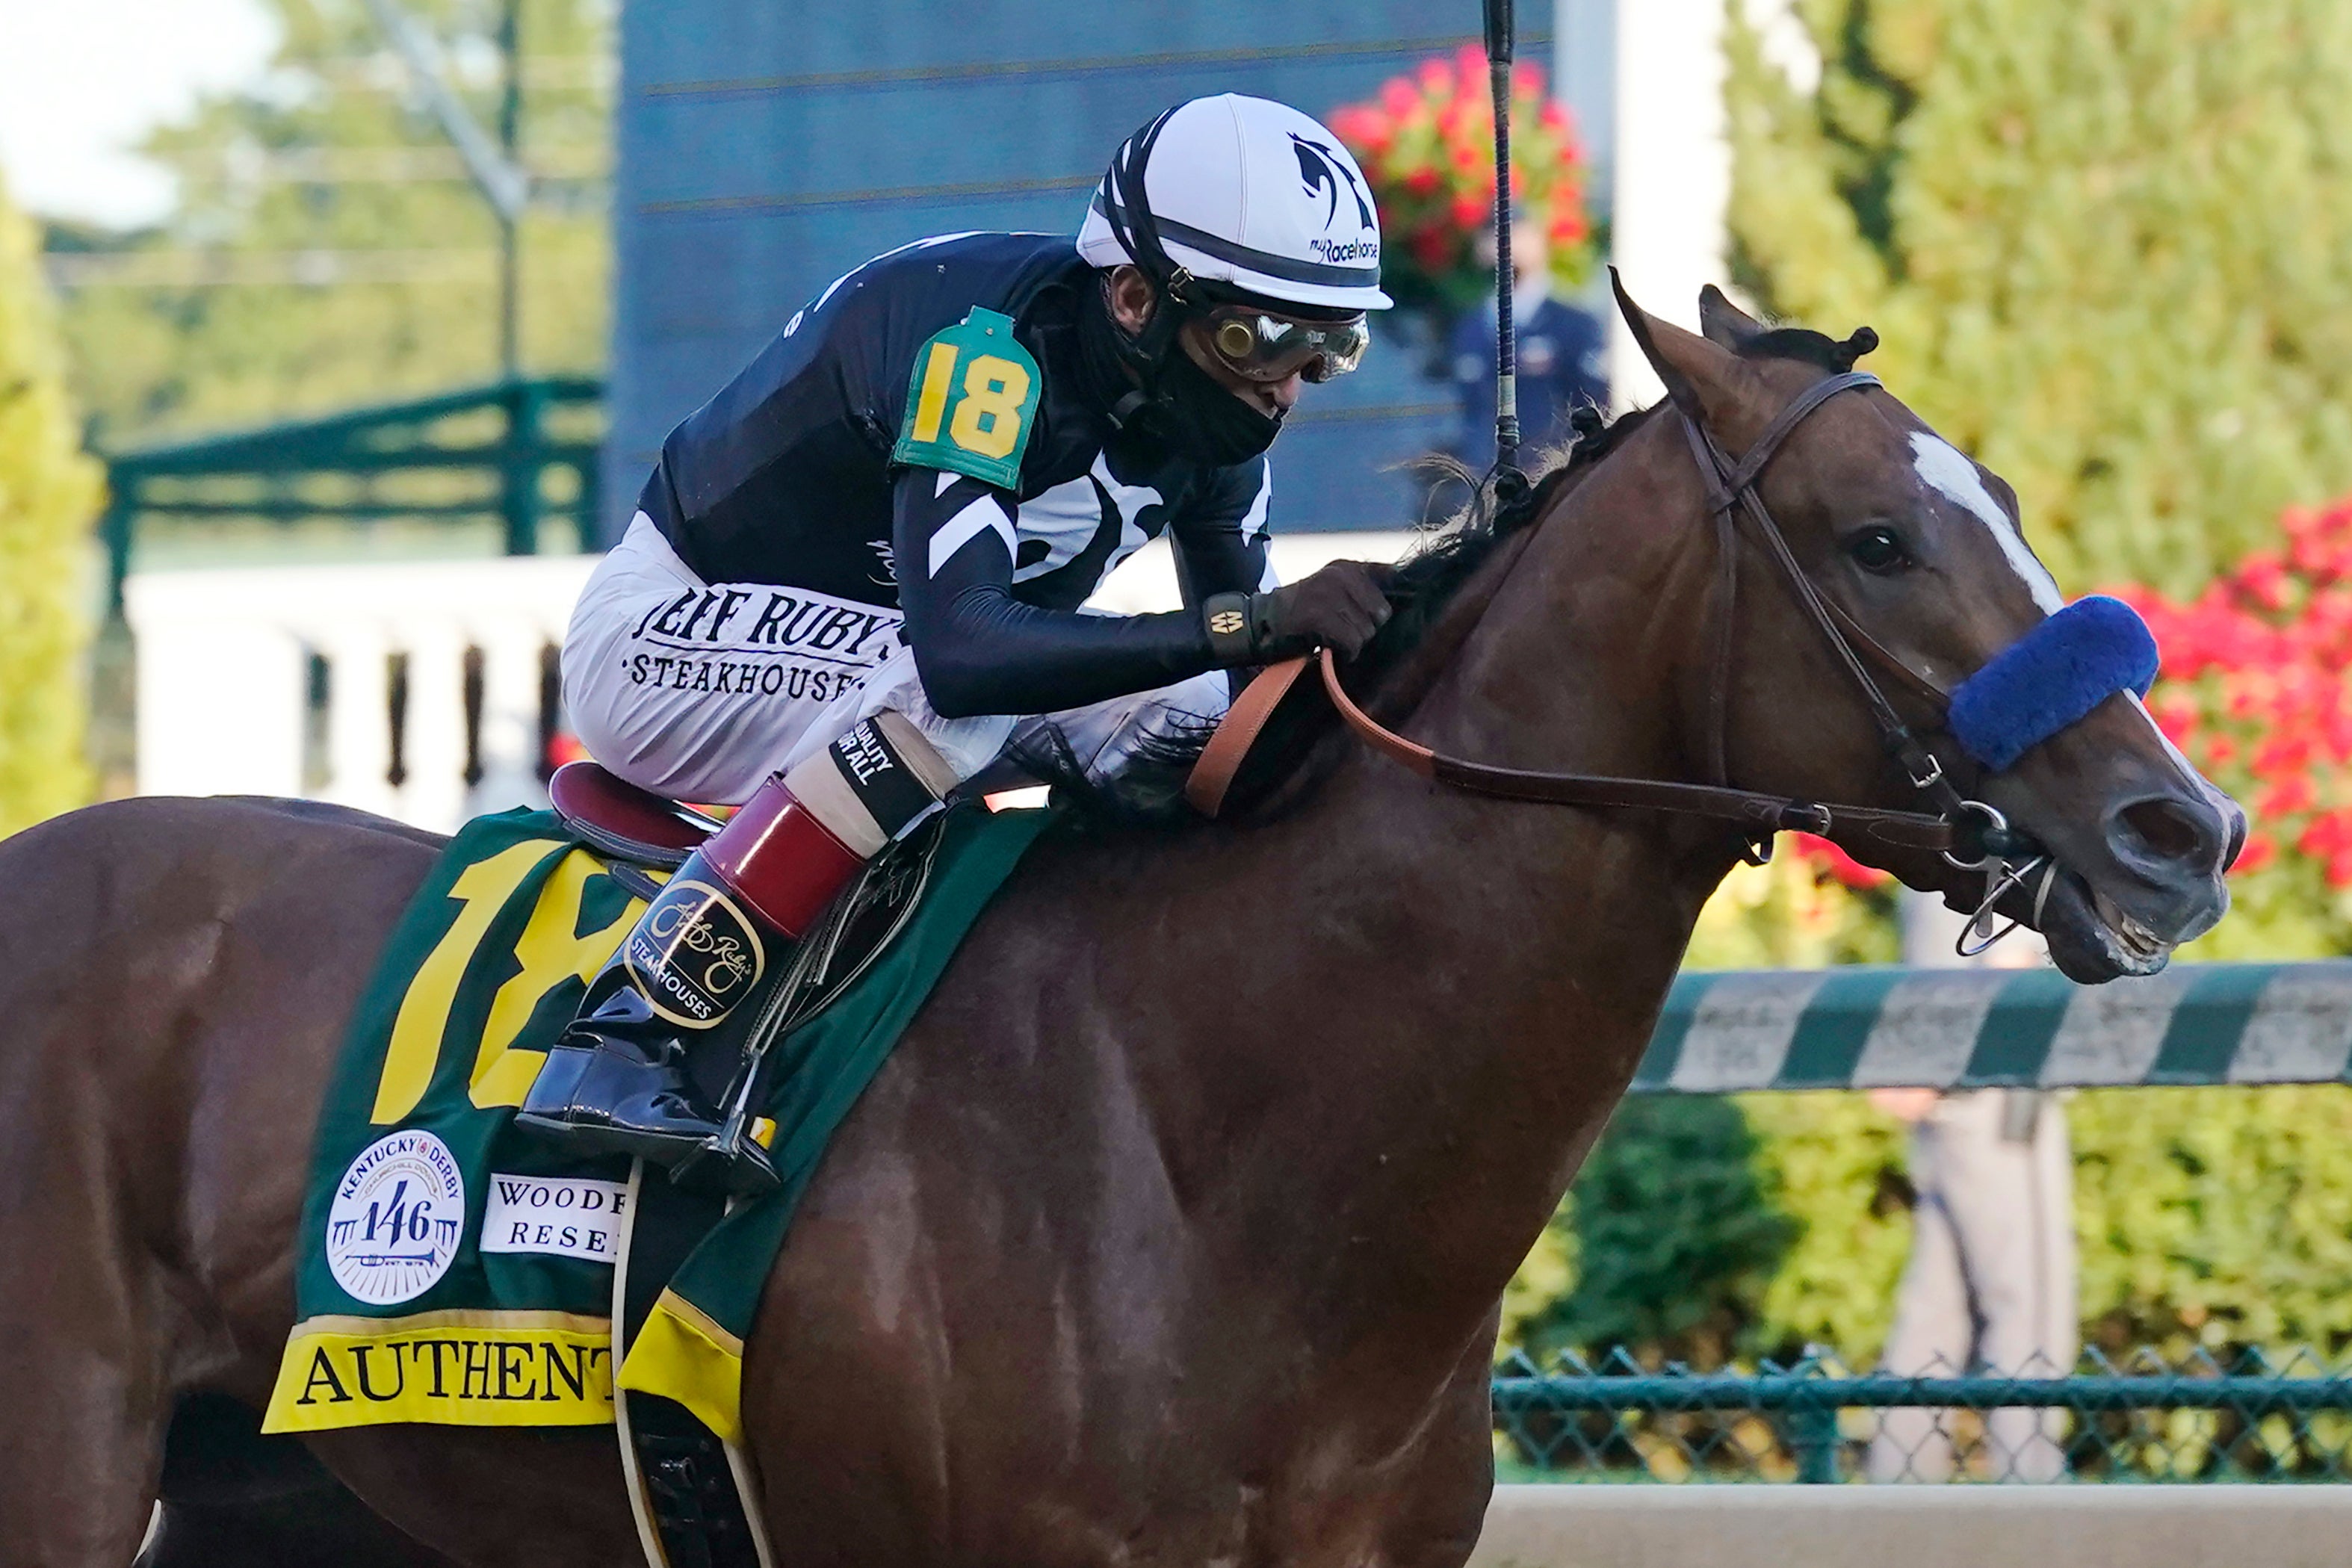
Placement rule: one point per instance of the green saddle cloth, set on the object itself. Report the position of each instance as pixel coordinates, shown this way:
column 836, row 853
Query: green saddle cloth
column 453, row 1270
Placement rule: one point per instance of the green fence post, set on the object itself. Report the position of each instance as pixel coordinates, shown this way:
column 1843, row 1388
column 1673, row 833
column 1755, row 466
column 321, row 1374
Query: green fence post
column 1813, row 1438
column 591, row 504
column 522, row 461
column 115, row 528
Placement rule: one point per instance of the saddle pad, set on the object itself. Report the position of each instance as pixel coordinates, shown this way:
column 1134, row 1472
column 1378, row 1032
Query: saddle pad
column 451, row 1270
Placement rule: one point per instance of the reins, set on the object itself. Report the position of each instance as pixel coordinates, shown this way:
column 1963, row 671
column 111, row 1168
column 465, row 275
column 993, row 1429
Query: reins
column 1731, row 496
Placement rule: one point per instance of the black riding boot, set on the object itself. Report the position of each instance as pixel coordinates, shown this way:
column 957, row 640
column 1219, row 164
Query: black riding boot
column 646, row 1068
column 622, row 1079
column 637, row 1073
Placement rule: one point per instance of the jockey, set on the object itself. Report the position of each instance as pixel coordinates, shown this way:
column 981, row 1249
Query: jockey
column 855, row 575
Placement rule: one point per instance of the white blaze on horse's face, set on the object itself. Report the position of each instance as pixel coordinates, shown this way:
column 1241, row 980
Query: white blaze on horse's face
column 1946, row 471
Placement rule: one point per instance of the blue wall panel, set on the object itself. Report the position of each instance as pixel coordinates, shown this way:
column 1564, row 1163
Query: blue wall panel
column 766, row 149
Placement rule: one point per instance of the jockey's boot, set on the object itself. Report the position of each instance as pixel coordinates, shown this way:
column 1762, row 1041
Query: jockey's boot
column 660, row 1035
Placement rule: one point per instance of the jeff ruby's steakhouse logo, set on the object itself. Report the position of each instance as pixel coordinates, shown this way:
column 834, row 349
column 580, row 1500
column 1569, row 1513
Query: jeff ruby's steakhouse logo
column 694, row 954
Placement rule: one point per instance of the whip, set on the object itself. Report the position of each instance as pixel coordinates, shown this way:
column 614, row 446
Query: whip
column 1499, row 44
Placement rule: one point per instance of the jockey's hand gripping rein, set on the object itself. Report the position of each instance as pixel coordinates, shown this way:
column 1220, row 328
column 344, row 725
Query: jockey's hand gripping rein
column 1339, row 608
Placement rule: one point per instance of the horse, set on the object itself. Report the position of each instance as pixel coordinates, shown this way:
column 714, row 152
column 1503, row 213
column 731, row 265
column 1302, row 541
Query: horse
column 1175, row 1229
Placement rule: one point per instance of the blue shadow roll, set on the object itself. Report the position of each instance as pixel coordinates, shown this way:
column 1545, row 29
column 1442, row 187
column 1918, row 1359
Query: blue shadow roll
column 2052, row 677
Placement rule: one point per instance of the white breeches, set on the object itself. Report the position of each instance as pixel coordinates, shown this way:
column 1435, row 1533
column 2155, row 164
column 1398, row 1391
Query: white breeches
column 700, row 691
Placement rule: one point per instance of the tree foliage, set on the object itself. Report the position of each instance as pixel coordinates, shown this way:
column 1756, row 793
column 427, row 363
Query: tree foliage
column 49, row 491
column 327, row 247
column 2109, row 246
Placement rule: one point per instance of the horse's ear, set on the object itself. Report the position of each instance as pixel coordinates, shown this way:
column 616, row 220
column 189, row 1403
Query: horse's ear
column 2003, row 494
column 1645, row 334
column 1725, row 324
column 1681, row 359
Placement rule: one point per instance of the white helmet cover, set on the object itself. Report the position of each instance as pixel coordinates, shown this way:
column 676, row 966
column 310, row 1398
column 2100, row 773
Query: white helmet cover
column 1252, row 193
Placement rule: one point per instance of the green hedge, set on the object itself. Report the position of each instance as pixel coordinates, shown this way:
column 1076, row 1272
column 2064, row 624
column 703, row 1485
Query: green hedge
column 1706, row 1228
column 49, row 491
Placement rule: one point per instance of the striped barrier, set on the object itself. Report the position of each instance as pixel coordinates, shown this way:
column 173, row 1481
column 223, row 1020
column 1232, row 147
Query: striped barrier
column 1870, row 1026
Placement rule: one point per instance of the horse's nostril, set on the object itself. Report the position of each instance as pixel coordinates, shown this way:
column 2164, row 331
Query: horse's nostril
column 2237, row 846
column 2169, row 829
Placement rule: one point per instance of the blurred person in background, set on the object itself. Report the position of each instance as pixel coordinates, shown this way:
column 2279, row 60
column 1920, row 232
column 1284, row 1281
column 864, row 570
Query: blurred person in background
column 1561, row 353
column 1992, row 1281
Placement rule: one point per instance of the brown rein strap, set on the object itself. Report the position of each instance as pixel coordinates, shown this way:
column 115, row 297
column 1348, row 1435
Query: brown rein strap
column 1754, row 811
column 1212, row 773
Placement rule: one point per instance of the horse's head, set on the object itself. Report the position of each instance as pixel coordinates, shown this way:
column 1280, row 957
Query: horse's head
column 1920, row 550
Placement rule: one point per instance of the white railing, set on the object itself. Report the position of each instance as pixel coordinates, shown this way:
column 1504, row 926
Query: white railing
column 422, row 692
column 352, row 683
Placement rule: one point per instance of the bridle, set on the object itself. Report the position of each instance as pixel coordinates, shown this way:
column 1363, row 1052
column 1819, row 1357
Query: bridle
column 1970, row 834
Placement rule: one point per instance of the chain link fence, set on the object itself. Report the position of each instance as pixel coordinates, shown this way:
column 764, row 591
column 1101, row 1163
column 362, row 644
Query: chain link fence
column 2253, row 1418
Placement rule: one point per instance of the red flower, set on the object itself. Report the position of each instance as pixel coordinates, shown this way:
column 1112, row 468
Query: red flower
column 2287, row 798
column 1362, row 125
column 2256, row 686
column 1425, row 142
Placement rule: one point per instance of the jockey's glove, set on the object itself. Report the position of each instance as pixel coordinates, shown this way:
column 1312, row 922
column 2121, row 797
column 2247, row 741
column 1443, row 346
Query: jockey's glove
column 1339, row 608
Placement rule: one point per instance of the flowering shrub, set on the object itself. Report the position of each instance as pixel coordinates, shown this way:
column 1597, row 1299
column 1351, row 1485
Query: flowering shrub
column 1427, row 145
column 2255, row 690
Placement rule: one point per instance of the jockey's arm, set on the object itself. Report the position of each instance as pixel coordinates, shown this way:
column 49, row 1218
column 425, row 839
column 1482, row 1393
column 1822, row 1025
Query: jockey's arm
column 981, row 650
column 1219, row 542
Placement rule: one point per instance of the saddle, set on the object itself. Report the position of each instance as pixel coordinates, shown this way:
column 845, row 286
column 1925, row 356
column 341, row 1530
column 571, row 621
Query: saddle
column 617, row 819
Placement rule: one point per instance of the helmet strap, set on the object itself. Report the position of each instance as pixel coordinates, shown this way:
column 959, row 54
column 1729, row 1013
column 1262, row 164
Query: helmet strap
column 1127, row 209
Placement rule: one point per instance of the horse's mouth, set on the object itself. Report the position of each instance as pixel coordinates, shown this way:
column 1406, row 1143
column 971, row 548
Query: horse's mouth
column 2093, row 939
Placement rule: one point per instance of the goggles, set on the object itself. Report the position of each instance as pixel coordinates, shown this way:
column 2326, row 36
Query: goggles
column 1266, row 348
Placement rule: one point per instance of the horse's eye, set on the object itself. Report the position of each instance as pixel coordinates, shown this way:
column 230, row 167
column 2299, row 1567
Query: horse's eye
column 1878, row 550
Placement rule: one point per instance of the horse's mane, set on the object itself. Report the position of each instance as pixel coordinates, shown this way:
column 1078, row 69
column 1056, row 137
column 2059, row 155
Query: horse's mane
column 1148, row 792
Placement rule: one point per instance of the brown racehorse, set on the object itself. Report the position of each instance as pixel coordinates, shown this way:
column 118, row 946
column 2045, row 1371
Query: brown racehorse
column 1174, row 1230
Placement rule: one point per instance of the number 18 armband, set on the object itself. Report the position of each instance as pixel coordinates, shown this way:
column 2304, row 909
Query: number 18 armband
column 970, row 403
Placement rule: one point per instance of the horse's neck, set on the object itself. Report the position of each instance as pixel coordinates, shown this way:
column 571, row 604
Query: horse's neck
column 1489, row 971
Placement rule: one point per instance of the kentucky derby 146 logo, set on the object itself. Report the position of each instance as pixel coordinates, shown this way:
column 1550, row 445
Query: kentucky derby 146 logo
column 397, row 1216
column 694, row 954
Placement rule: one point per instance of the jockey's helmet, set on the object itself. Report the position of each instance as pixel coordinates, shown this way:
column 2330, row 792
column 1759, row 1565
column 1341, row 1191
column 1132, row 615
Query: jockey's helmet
column 1240, row 200
column 1250, row 218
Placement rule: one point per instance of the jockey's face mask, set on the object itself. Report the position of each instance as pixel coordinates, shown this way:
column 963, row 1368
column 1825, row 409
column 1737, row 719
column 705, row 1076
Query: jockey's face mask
column 1260, row 345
